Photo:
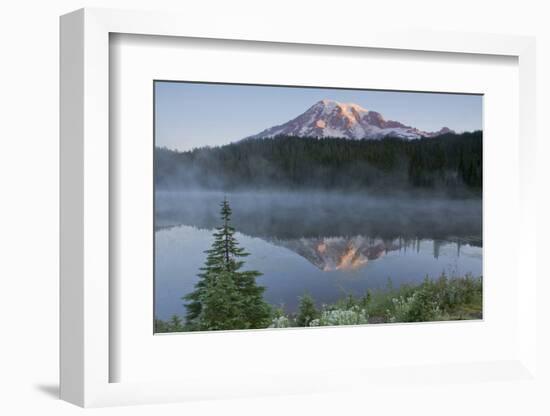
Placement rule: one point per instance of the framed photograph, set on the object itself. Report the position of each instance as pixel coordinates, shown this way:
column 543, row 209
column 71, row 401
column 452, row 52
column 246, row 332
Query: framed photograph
column 274, row 214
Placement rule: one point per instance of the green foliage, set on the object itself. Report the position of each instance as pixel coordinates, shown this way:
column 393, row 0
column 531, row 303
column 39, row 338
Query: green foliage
column 279, row 319
column 419, row 307
column 307, row 311
column 352, row 316
column 452, row 162
column 226, row 297
column 280, row 322
column 173, row 325
column 222, row 306
column 432, row 300
column 441, row 299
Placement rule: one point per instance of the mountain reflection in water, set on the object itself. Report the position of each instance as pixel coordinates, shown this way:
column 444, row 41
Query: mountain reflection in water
column 338, row 253
column 327, row 245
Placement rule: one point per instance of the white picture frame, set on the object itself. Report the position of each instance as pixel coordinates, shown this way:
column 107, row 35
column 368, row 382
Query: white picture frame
column 86, row 265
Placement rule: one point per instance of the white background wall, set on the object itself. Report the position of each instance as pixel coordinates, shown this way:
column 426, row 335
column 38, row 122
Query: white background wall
column 29, row 205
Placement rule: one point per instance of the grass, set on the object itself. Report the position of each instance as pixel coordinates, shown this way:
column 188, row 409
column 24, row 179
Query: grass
column 442, row 299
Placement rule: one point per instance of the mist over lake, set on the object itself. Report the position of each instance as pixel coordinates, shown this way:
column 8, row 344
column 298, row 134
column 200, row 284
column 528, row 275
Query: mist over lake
column 326, row 244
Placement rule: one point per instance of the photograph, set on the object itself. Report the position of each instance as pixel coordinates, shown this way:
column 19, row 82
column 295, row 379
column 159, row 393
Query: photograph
column 283, row 206
column 280, row 208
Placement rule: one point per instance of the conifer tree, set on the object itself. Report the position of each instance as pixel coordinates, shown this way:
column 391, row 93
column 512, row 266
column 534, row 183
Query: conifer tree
column 307, row 311
column 222, row 306
column 175, row 324
column 225, row 297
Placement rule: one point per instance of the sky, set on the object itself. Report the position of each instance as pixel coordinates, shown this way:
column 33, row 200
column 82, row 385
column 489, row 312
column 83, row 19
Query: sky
column 190, row 115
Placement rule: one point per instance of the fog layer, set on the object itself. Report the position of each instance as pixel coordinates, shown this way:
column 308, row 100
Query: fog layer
column 288, row 215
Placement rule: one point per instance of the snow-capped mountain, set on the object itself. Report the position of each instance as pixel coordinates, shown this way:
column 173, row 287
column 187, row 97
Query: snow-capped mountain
column 329, row 118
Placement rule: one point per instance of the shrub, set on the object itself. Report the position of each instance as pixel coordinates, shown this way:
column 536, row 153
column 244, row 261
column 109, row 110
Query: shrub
column 441, row 299
column 423, row 306
column 175, row 324
column 307, row 311
column 280, row 322
column 400, row 309
column 352, row 316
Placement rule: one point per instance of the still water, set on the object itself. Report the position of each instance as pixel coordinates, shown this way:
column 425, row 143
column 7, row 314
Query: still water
column 325, row 244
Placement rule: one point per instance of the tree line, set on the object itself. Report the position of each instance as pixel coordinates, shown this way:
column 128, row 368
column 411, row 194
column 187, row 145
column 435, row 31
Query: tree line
column 449, row 162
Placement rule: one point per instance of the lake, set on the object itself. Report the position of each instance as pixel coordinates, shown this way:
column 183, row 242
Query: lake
column 326, row 244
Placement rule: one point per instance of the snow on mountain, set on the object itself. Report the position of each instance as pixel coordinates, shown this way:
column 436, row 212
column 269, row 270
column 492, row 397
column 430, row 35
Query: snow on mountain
column 329, row 118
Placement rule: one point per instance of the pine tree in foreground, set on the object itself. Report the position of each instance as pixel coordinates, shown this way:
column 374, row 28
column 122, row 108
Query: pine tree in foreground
column 225, row 297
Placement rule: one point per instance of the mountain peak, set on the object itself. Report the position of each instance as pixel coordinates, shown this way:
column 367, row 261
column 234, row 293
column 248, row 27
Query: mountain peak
column 333, row 104
column 327, row 102
column 331, row 118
